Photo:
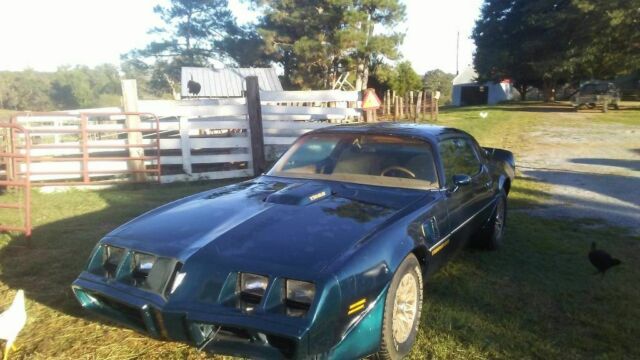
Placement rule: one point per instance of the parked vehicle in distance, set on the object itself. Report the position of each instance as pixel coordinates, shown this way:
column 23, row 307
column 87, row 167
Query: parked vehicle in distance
column 597, row 93
column 324, row 256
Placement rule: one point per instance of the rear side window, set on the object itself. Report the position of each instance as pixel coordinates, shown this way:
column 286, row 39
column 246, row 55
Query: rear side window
column 458, row 158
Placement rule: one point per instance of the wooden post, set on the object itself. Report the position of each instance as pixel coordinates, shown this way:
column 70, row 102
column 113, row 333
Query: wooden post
column 431, row 110
column 410, row 109
column 418, row 105
column 130, row 104
column 387, row 103
column 424, row 102
column 185, row 144
column 384, row 103
column 396, row 109
column 255, row 125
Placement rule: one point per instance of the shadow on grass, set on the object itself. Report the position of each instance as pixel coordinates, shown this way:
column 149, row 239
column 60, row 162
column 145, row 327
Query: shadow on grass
column 623, row 188
column 621, row 163
column 539, row 107
column 58, row 251
column 535, row 298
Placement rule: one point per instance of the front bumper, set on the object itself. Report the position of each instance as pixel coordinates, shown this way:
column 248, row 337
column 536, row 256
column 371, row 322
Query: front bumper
column 235, row 334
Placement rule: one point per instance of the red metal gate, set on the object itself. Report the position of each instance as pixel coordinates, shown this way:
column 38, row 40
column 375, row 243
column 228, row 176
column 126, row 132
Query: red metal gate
column 87, row 151
column 12, row 159
column 23, row 158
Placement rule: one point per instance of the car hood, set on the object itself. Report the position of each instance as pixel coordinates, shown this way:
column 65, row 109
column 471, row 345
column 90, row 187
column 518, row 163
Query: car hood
column 268, row 220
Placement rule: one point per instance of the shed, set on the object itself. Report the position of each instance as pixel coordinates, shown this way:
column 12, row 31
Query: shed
column 467, row 91
column 227, row 82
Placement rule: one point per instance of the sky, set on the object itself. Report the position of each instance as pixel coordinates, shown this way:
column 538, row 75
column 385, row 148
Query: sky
column 46, row 34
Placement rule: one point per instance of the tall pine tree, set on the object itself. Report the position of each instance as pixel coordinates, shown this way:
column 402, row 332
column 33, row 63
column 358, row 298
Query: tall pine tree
column 195, row 33
column 316, row 41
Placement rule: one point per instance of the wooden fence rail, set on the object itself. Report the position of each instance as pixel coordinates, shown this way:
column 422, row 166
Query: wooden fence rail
column 198, row 138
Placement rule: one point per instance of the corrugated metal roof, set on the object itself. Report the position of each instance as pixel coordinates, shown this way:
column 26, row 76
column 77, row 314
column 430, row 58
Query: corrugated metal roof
column 227, row 82
column 467, row 76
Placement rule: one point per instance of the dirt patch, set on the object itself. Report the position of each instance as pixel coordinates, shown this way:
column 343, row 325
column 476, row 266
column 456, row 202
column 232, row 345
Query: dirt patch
column 593, row 169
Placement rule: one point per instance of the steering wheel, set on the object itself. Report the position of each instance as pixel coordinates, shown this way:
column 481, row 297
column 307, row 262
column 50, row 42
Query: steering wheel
column 398, row 168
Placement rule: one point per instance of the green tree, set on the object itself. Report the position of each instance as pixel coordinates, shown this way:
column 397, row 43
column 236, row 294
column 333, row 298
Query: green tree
column 608, row 41
column 405, row 79
column 316, row 41
column 71, row 88
column 67, row 88
column 546, row 43
column 365, row 38
column 302, row 36
column 193, row 35
column 438, row 80
column 83, row 87
column 25, row 90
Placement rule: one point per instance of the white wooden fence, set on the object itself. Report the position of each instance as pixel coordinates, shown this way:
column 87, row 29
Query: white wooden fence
column 206, row 138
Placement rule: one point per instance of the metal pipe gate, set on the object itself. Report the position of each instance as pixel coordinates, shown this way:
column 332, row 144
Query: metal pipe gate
column 13, row 159
column 22, row 157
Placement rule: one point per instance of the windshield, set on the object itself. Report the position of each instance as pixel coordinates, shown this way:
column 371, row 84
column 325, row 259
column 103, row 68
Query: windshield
column 368, row 159
column 594, row 89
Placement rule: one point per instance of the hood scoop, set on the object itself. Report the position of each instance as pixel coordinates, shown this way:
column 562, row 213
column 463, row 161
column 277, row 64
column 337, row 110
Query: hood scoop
column 300, row 194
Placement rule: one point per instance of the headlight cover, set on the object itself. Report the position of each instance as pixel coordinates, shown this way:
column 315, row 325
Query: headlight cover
column 111, row 258
column 299, row 297
column 142, row 265
column 252, row 286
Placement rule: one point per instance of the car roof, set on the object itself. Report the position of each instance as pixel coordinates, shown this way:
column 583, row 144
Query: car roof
column 428, row 132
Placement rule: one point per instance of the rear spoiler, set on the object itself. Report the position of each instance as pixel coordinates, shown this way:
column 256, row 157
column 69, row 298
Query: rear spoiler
column 501, row 155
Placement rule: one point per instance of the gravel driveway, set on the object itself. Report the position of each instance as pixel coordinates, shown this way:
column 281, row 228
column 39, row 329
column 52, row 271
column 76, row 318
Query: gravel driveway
column 593, row 170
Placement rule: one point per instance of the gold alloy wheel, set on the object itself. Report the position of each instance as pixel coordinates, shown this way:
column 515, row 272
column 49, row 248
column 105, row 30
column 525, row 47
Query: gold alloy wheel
column 405, row 308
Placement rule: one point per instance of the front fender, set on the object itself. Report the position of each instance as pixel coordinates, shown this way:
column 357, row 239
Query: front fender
column 364, row 276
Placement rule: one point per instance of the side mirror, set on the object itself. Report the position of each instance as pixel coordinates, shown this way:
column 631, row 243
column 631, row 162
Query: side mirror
column 459, row 180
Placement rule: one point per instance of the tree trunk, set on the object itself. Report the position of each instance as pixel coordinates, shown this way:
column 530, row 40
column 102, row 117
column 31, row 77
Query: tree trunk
column 359, row 76
column 548, row 90
column 523, row 93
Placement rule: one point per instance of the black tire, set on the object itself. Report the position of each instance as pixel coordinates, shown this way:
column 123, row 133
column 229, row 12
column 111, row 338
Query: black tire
column 390, row 348
column 493, row 233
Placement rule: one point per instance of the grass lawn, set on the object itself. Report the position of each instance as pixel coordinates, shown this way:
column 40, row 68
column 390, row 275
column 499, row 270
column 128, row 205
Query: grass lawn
column 535, row 298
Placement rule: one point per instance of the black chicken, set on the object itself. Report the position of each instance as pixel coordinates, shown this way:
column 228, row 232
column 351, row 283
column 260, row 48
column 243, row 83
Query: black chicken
column 601, row 259
column 194, row 87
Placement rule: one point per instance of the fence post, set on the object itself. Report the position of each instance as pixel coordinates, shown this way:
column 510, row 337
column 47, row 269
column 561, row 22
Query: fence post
column 424, row 102
column 387, row 102
column 396, row 110
column 418, row 105
column 410, row 104
column 431, row 105
column 255, row 125
column 130, row 104
column 185, row 145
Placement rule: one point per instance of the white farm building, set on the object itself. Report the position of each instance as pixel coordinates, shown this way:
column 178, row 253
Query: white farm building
column 467, row 91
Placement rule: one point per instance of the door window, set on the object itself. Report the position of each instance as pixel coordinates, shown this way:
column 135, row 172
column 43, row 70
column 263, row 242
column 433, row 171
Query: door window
column 458, row 158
